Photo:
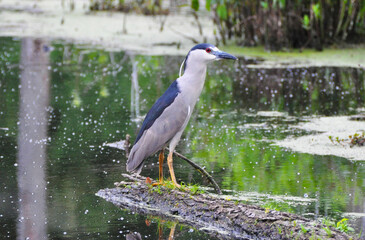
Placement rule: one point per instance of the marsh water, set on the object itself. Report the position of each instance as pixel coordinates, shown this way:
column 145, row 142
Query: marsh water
column 61, row 103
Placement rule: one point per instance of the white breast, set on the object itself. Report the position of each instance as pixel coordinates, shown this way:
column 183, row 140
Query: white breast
column 191, row 85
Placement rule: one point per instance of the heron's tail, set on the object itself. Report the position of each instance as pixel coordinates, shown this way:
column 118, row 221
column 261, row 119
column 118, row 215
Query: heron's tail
column 135, row 160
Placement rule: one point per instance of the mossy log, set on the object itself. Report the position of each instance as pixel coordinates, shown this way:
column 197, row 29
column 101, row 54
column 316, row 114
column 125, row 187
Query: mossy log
column 213, row 214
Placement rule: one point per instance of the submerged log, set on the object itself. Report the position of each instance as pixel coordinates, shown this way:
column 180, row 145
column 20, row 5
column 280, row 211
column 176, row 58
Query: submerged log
column 360, row 117
column 213, row 214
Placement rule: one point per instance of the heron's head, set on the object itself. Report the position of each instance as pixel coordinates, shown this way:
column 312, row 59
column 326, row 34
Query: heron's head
column 204, row 53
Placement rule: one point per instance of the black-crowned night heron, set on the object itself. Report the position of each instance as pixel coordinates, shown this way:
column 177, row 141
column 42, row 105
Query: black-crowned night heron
column 168, row 117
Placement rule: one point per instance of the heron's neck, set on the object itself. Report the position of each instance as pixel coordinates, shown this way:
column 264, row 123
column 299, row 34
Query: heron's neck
column 192, row 82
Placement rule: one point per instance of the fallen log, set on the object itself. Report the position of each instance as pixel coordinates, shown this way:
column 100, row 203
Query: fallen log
column 213, row 214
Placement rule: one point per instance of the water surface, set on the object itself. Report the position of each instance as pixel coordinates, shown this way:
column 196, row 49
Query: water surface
column 60, row 103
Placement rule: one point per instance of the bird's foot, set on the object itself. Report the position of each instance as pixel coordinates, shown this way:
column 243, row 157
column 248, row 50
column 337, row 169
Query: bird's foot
column 149, row 182
column 158, row 183
column 168, row 184
column 176, row 184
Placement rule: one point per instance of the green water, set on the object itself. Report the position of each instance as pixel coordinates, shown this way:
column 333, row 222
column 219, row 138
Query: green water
column 92, row 101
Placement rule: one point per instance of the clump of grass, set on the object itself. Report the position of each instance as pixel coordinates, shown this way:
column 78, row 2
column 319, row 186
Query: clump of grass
column 196, row 189
column 169, row 185
column 336, row 140
column 303, row 229
column 294, row 223
column 279, row 230
column 156, row 189
column 356, row 139
column 343, row 226
column 327, row 222
column 328, row 231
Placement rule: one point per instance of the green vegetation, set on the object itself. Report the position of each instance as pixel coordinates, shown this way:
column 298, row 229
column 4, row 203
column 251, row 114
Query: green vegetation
column 278, row 206
column 328, row 231
column 356, row 139
column 156, row 189
column 303, row 229
column 275, row 24
column 279, row 24
column 146, row 7
column 196, row 189
column 279, row 230
column 328, row 222
column 168, row 184
column 343, row 226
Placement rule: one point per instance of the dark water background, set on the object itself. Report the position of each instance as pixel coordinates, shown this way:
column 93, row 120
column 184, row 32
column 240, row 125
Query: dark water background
column 60, row 103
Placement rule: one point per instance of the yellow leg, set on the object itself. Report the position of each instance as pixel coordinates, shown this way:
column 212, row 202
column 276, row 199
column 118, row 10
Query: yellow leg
column 160, row 168
column 160, row 232
column 171, row 168
column 172, row 231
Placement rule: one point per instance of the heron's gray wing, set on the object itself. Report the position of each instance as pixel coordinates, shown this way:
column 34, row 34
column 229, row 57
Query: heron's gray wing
column 164, row 128
column 158, row 107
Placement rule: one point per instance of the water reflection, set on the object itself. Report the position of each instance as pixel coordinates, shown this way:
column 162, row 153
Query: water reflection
column 133, row 236
column 32, row 137
column 363, row 224
column 298, row 91
column 161, row 225
column 134, row 89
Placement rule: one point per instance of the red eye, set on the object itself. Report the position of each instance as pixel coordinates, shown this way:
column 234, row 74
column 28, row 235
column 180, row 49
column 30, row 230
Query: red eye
column 208, row 50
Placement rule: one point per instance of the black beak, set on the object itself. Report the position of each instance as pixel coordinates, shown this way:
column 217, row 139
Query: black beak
column 224, row 55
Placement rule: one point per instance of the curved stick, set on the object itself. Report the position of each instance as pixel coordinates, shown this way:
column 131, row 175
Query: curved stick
column 201, row 170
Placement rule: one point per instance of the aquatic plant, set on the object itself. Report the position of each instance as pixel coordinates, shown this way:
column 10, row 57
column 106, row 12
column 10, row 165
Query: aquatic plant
column 353, row 140
column 357, row 139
